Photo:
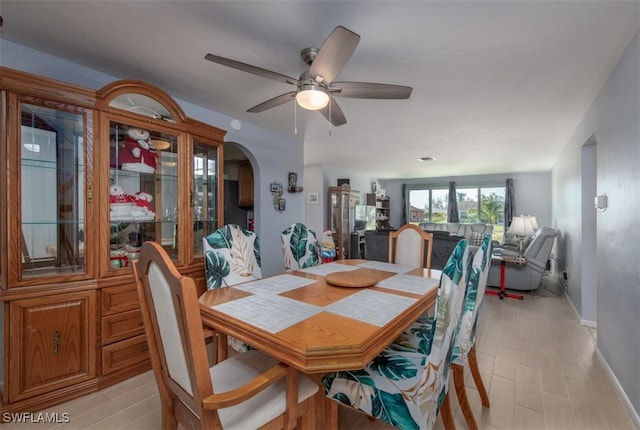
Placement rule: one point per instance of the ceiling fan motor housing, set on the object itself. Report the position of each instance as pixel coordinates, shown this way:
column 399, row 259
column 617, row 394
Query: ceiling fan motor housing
column 308, row 55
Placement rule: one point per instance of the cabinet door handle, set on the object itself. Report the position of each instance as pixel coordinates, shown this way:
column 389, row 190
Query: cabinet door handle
column 56, row 342
column 89, row 193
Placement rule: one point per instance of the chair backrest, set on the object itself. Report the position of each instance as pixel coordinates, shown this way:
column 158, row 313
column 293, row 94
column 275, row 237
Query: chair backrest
column 407, row 246
column 232, row 256
column 447, row 319
column 539, row 248
column 474, row 295
column 171, row 314
column 300, row 247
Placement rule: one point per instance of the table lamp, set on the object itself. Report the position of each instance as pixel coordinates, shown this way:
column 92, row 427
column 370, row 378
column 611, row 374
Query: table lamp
column 521, row 227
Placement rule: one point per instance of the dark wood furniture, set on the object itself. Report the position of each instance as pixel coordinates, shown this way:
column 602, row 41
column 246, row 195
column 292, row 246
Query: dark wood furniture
column 377, row 246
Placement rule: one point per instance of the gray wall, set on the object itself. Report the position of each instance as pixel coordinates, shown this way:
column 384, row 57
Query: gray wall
column 613, row 124
column 272, row 155
column 532, row 192
column 318, row 178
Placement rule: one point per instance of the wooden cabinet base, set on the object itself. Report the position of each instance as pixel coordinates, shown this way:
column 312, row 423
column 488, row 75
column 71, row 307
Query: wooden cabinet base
column 43, row 401
column 124, row 374
column 120, row 355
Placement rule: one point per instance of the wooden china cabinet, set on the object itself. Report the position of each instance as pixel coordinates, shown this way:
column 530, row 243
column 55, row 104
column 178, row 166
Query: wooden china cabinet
column 342, row 207
column 90, row 175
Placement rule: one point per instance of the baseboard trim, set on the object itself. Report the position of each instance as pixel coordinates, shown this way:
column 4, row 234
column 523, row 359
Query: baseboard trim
column 612, row 377
column 575, row 311
column 588, row 323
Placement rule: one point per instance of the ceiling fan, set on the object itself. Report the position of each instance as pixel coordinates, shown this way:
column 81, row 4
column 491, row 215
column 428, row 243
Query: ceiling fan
column 315, row 86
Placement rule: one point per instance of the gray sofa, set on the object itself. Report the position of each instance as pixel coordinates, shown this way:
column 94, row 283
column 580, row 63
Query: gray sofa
column 473, row 232
column 445, row 239
column 527, row 276
column 377, row 246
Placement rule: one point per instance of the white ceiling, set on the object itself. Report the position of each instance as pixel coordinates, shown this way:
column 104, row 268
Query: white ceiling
column 497, row 86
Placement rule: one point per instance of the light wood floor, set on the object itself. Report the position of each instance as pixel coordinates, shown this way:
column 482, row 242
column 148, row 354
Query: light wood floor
column 537, row 362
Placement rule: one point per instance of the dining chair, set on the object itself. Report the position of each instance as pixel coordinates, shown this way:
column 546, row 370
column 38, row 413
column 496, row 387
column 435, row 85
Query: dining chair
column 464, row 350
column 420, row 335
column 247, row 390
column 231, row 257
column 300, row 247
column 406, row 387
column 407, row 246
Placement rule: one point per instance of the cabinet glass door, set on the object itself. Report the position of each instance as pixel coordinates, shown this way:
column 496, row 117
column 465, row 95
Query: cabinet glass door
column 204, row 193
column 143, row 192
column 344, row 228
column 52, row 178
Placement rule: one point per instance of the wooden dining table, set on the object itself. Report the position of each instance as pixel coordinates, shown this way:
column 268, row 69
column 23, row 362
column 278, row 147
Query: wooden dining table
column 332, row 317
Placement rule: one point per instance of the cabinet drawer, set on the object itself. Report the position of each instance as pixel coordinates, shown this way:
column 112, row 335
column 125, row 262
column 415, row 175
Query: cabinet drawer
column 119, row 299
column 123, row 354
column 122, row 326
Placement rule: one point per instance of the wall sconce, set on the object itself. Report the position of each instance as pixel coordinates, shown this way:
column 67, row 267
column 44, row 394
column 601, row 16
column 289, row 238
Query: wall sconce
column 601, row 202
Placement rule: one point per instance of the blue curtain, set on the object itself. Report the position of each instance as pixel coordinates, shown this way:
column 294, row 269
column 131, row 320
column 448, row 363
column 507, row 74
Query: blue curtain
column 509, row 203
column 452, row 204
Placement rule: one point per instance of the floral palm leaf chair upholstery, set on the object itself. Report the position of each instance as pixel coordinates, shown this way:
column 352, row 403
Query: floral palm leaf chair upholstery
column 464, row 350
column 231, row 257
column 300, row 247
column 404, row 386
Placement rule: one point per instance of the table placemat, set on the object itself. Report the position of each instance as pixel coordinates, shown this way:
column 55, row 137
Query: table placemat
column 373, row 307
column 275, row 284
column 324, row 269
column 271, row 313
column 409, row 283
column 387, row 267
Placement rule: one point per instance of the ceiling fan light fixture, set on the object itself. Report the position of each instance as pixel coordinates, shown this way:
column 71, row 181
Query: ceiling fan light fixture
column 312, row 97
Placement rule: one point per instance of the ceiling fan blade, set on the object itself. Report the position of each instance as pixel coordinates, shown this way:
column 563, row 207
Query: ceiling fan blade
column 368, row 90
column 251, row 69
column 337, row 118
column 334, row 54
column 276, row 101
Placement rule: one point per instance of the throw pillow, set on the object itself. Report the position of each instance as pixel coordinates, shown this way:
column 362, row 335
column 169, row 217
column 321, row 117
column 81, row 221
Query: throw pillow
column 476, row 238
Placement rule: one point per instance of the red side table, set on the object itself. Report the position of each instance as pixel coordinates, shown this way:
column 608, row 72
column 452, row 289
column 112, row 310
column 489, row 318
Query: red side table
column 503, row 264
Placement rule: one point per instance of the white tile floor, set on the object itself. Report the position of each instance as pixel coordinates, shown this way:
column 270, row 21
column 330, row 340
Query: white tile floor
column 537, row 362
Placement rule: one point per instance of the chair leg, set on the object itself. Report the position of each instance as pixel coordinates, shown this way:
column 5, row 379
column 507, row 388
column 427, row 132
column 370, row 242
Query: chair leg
column 445, row 413
column 458, row 381
column 477, row 378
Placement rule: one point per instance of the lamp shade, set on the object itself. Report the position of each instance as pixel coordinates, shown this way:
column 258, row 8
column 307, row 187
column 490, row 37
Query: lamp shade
column 312, row 97
column 521, row 226
column 534, row 222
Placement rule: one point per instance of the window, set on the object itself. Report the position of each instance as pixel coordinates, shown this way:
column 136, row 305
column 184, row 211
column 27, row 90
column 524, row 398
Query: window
column 475, row 204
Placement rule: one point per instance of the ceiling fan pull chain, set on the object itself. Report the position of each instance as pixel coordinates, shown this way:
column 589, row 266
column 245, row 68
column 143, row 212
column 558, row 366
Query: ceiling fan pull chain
column 330, row 117
column 295, row 117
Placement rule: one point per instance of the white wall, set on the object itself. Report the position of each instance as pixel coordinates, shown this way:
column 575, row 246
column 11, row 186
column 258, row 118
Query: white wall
column 532, row 192
column 273, row 156
column 613, row 122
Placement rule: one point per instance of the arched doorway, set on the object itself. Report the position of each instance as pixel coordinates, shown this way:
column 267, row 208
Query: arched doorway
column 238, row 187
